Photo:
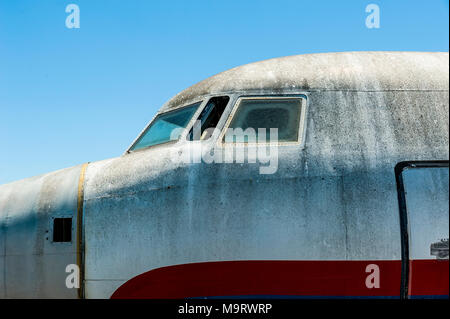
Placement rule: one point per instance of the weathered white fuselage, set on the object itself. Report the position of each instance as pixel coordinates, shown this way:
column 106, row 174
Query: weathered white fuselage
column 333, row 197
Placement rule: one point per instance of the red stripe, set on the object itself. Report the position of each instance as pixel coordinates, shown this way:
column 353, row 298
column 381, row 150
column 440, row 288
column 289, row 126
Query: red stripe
column 240, row 278
column 429, row 278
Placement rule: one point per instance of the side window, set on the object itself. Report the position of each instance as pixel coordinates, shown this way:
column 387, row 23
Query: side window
column 208, row 119
column 283, row 114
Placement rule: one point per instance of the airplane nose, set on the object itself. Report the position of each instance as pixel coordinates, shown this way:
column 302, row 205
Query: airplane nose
column 38, row 234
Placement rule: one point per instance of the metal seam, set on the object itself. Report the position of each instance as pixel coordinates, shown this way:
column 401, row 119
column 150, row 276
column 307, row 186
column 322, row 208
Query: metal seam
column 80, row 200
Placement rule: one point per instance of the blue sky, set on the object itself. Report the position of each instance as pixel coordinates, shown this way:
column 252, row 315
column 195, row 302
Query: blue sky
column 69, row 96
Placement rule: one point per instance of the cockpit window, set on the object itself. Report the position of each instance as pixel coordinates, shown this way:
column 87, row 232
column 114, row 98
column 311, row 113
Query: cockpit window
column 166, row 127
column 282, row 114
column 208, row 119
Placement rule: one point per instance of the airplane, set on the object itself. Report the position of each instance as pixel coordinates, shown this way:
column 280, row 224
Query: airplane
column 309, row 176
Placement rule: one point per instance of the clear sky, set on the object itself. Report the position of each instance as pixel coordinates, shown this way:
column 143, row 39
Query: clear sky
column 68, row 96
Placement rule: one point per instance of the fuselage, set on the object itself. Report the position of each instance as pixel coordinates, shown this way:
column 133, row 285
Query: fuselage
column 332, row 211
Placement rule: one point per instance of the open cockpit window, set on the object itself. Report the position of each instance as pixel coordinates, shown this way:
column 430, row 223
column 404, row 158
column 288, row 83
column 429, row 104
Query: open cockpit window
column 166, row 127
column 253, row 117
column 208, row 119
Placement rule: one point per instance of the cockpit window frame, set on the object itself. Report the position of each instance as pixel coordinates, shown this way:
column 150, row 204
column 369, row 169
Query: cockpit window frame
column 227, row 116
column 182, row 135
column 300, row 142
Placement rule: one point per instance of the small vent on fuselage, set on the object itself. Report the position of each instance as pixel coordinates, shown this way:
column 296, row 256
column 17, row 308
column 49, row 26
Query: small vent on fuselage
column 62, row 230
